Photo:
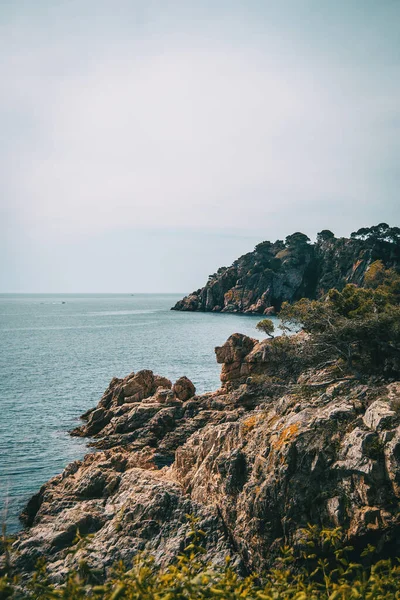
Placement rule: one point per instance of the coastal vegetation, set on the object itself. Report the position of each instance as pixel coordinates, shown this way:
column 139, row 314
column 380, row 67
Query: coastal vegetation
column 358, row 326
column 357, row 329
column 319, row 568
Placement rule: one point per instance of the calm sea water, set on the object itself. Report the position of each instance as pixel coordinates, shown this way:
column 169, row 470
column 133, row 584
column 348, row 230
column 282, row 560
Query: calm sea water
column 58, row 354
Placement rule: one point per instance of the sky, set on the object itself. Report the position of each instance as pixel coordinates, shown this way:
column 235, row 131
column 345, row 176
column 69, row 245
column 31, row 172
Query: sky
column 146, row 143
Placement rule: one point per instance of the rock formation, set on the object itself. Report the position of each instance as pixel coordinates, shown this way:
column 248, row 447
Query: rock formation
column 255, row 461
column 258, row 282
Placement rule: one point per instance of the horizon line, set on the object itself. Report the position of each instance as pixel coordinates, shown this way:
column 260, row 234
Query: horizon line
column 89, row 293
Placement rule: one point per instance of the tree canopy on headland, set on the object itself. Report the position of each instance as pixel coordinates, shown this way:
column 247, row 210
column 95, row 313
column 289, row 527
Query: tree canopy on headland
column 287, row 270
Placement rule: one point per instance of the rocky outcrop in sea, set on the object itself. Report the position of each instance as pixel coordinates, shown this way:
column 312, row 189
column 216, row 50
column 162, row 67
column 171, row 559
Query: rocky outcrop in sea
column 255, row 461
column 260, row 281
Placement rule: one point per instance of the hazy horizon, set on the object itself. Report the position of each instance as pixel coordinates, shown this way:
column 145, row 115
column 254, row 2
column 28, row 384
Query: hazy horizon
column 161, row 293
column 143, row 292
column 144, row 145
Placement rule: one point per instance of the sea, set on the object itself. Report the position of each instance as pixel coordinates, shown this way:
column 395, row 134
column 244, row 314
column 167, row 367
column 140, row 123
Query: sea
column 59, row 352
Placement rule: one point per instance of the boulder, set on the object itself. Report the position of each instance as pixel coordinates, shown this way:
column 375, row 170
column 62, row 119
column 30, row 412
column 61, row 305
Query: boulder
column 183, row 389
column 379, row 415
column 163, row 382
column 139, row 387
column 164, row 395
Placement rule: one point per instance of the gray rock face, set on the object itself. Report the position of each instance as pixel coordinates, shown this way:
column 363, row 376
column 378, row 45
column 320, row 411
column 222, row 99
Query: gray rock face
column 259, row 281
column 124, row 507
column 254, row 461
column 380, row 416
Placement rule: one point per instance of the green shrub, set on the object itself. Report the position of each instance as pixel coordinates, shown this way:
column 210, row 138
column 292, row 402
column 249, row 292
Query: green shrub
column 320, row 568
column 357, row 325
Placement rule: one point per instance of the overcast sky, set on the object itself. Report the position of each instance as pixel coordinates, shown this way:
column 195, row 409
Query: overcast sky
column 146, row 143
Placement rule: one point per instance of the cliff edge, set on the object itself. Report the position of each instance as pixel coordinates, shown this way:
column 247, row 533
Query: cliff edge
column 260, row 281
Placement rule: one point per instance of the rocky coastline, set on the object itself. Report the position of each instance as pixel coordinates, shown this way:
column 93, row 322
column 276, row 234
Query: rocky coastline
column 255, row 461
column 285, row 271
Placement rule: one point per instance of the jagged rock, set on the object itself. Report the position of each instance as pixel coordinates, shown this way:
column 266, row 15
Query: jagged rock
column 380, row 416
column 255, row 461
column 164, row 395
column 163, row 382
column 184, row 389
column 232, row 354
column 143, row 511
column 121, row 392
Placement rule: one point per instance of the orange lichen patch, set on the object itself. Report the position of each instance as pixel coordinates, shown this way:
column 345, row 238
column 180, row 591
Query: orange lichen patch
column 249, row 424
column 233, row 295
column 285, row 436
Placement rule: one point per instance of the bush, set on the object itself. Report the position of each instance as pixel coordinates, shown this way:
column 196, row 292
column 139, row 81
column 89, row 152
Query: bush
column 321, row 568
column 360, row 326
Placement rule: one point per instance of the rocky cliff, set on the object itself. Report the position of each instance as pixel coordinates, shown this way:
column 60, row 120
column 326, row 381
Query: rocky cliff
column 258, row 282
column 255, row 461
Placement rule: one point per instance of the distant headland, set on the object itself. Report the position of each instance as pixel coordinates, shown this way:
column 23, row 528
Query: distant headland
column 260, row 281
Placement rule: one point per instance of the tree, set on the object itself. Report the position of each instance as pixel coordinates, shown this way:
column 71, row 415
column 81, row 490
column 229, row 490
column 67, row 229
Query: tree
column 296, row 239
column 266, row 326
column 378, row 233
column 360, row 326
column 362, row 233
column 263, row 247
column 325, row 235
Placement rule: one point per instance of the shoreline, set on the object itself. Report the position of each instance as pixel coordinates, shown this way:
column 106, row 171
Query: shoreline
column 164, row 452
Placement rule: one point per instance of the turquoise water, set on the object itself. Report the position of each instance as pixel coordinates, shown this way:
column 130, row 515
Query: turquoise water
column 58, row 354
